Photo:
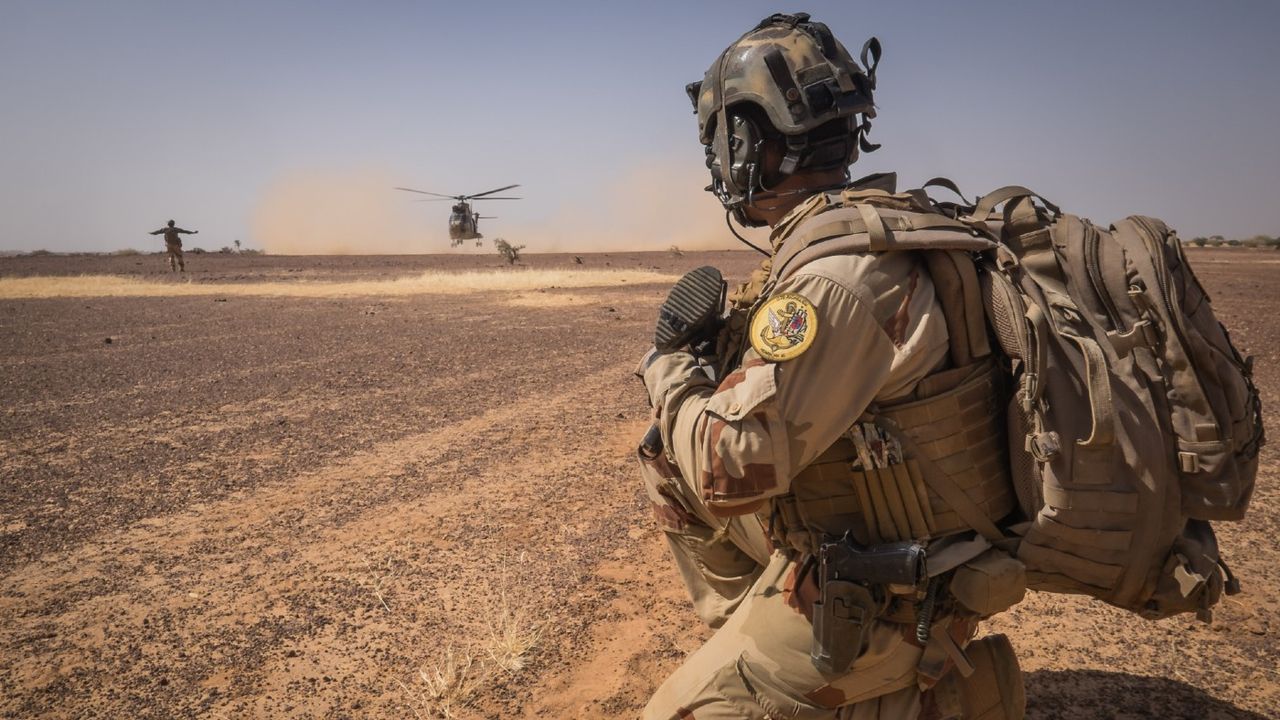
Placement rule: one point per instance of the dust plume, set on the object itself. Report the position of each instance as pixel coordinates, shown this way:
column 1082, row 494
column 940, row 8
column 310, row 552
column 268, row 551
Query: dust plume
column 651, row 206
column 343, row 213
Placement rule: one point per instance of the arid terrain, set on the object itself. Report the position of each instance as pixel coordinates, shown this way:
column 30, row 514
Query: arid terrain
column 352, row 501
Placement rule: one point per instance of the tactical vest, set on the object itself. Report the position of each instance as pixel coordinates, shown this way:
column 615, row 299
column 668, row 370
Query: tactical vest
column 927, row 466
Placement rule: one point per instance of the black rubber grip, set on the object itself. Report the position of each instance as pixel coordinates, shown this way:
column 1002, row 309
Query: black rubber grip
column 694, row 302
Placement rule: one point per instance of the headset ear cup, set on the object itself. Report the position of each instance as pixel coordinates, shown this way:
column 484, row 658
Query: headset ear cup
column 744, row 151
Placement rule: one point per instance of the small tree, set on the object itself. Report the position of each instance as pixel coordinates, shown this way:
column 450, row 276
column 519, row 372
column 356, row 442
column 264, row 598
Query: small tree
column 1200, row 241
column 237, row 245
column 511, row 253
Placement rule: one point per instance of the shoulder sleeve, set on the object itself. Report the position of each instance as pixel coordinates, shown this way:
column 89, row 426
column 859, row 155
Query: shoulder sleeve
column 767, row 420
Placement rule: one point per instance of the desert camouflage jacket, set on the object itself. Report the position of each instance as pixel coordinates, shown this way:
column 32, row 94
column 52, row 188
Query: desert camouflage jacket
column 870, row 331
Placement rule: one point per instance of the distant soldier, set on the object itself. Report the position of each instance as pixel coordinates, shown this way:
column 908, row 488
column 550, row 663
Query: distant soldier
column 173, row 244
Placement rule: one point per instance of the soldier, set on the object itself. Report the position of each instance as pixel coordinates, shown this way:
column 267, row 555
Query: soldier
column 173, row 244
column 803, row 448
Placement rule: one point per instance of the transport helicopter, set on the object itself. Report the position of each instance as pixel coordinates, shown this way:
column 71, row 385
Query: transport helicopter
column 464, row 223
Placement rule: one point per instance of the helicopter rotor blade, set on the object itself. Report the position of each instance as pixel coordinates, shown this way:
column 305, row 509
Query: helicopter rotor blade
column 495, row 198
column 424, row 192
column 490, row 192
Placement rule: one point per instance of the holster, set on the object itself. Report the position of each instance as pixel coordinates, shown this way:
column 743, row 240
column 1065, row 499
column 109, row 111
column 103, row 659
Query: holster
column 842, row 622
column 853, row 580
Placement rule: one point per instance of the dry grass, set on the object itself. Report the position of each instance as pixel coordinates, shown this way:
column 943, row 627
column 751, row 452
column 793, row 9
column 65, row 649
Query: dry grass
column 445, row 687
column 511, row 636
column 449, row 685
column 429, row 283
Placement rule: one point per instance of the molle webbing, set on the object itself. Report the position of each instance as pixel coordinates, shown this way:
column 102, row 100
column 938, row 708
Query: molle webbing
column 864, row 227
column 877, row 221
column 959, row 428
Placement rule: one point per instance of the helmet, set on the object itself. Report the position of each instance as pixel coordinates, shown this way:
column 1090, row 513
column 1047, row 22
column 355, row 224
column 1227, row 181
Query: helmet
column 787, row 78
column 170, row 223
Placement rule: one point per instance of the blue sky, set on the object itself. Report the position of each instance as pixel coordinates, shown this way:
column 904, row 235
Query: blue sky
column 243, row 119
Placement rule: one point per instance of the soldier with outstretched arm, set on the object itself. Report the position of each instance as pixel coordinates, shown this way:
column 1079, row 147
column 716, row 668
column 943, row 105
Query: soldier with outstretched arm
column 173, row 244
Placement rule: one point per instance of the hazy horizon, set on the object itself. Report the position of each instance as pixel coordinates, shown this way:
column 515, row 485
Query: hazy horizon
column 285, row 125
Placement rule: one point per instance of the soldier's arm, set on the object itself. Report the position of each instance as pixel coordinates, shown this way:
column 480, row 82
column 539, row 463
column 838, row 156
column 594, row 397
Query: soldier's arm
column 186, row 232
column 744, row 440
column 156, row 232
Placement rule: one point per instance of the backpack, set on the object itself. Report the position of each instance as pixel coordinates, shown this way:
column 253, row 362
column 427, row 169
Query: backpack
column 1133, row 422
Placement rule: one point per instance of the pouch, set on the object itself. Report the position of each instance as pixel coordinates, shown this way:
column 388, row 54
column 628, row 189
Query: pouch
column 990, row 583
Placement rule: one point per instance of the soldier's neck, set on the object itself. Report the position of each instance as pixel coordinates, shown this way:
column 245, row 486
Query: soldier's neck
column 772, row 210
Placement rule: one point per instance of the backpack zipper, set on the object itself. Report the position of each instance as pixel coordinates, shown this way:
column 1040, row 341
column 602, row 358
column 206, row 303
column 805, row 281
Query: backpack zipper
column 1150, row 237
column 1093, row 241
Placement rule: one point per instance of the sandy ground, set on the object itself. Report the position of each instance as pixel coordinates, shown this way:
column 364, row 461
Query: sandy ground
column 322, row 507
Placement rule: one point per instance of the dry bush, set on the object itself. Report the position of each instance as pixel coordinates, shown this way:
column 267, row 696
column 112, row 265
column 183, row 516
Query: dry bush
column 509, row 252
column 450, row 684
column 429, row 283
column 512, row 635
column 127, row 252
column 445, row 687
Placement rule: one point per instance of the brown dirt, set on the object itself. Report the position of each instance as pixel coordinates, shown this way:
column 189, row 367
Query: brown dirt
column 284, row 507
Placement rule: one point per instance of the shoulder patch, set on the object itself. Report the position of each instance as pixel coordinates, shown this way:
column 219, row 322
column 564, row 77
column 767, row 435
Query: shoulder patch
column 784, row 327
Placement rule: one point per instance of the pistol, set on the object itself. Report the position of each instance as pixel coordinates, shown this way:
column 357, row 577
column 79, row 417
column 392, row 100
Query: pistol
column 852, row 578
column 900, row 563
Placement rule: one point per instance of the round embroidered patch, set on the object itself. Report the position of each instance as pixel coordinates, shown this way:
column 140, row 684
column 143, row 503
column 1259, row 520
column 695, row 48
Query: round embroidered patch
column 784, row 327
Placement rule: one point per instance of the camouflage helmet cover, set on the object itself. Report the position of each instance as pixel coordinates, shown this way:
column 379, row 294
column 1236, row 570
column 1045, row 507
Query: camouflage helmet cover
column 799, row 75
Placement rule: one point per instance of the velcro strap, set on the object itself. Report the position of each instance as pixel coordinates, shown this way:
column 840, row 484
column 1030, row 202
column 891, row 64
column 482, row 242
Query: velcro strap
column 1101, row 409
column 876, row 230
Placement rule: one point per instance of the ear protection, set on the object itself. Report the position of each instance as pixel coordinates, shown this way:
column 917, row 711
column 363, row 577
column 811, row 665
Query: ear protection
column 742, row 157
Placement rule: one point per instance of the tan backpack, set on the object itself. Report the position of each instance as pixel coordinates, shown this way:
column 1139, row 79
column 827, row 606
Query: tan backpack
column 1134, row 420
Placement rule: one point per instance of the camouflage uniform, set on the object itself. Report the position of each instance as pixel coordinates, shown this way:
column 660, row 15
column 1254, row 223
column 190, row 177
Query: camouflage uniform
column 173, row 244
column 879, row 332
column 842, row 406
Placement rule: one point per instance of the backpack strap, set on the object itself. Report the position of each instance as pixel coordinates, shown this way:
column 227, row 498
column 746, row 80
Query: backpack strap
column 862, row 227
column 988, row 202
column 946, row 184
column 959, row 292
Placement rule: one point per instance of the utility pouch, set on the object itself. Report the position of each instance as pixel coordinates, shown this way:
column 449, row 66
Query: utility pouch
column 842, row 622
column 990, row 583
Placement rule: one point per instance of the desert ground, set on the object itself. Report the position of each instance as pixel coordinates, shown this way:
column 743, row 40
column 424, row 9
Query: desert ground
column 307, row 487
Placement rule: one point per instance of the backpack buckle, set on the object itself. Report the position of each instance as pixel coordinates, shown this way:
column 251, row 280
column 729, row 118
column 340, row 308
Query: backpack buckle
column 1189, row 462
column 1125, row 342
column 1043, row 446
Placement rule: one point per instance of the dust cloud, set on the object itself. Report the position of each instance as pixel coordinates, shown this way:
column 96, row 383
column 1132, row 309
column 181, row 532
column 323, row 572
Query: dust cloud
column 651, row 207
column 342, row 213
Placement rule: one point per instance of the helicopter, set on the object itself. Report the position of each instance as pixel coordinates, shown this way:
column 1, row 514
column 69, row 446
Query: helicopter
column 464, row 224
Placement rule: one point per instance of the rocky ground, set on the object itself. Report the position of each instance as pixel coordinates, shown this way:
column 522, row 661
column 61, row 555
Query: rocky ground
column 412, row 506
